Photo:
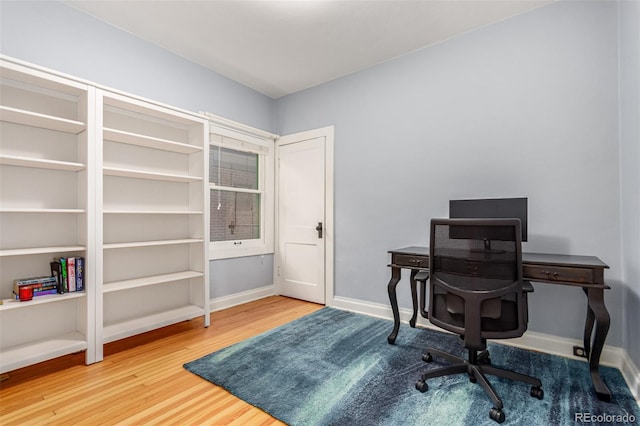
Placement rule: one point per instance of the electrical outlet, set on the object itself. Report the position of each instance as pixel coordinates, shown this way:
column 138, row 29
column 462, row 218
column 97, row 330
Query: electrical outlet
column 578, row 351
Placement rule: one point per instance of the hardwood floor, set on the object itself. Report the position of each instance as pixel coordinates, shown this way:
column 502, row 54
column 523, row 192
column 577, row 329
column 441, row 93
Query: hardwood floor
column 141, row 379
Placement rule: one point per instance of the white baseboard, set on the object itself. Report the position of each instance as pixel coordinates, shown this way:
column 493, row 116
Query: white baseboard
column 611, row 356
column 631, row 375
column 236, row 299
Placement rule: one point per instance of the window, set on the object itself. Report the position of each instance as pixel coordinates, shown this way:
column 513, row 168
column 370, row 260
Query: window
column 235, row 214
column 241, row 194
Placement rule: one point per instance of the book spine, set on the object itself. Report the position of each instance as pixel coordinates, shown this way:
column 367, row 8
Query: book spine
column 41, row 280
column 45, row 292
column 56, row 271
column 28, row 281
column 44, row 288
column 71, row 273
column 63, row 267
column 79, row 273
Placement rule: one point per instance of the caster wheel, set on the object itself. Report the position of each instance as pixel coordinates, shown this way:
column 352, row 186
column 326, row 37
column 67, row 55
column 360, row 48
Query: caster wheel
column 496, row 415
column 484, row 358
column 427, row 357
column 537, row 392
column 422, row 386
column 473, row 379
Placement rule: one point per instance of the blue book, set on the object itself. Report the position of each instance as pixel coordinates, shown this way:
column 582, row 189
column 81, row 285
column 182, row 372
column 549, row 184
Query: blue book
column 79, row 273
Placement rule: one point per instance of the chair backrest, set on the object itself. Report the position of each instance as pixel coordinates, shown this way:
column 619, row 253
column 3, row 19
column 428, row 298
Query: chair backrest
column 476, row 279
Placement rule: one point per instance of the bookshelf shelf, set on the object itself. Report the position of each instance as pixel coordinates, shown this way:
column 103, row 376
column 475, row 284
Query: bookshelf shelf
column 34, row 119
column 121, row 330
column 40, row 250
column 22, row 355
column 138, row 174
column 149, row 142
column 153, row 212
column 151, row 243
column 35, row 210
column 152, row 280
column 8, row 304
column 12, row 160
column 145, row 110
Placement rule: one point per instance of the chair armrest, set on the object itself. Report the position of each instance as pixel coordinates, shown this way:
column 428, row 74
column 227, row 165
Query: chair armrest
column 422, row 276
column 527, row 287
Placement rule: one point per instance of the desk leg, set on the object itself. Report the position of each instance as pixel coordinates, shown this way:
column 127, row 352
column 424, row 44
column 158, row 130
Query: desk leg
column 596, row 312
column 414, row 297
column 391, row 288
column 423, row 299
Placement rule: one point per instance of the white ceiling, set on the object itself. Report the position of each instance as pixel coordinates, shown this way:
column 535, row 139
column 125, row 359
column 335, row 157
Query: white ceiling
column 281, row 47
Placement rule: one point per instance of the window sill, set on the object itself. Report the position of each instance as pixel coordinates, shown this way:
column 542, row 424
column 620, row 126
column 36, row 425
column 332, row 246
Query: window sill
column 228, row 253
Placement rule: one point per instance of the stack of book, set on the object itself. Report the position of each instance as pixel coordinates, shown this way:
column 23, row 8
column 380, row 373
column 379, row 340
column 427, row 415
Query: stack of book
column 39, row 285
column 69, row 273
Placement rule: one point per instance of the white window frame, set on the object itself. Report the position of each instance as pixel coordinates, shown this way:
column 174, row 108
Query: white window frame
column 228, row 134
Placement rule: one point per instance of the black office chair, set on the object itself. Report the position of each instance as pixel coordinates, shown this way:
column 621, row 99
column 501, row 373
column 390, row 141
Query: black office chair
column 476, row 290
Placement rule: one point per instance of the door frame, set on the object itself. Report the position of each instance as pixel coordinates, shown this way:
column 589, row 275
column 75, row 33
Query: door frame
column 328, row 226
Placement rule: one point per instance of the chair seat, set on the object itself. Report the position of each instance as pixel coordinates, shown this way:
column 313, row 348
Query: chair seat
column 508, row 315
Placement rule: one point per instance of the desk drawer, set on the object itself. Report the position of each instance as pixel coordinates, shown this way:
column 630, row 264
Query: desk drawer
column 557, row 273
column 411, row 261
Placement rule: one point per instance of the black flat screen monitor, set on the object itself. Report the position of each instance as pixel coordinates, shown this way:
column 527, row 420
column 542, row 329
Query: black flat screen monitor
column 499, row 208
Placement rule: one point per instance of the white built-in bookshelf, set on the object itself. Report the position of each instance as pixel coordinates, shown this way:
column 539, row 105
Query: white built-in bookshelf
column 119, row 180
column 46, row 211
column 154, row 259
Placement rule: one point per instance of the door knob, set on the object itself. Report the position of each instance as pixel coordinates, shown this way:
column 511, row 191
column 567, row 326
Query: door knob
column 319, row 229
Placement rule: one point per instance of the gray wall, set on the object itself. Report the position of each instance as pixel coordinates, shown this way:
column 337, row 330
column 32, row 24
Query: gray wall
column 630, row 173
column 525, row 107
column 54, row 35
column 240, row 274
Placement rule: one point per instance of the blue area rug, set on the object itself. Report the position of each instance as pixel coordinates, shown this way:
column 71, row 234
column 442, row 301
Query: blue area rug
column 334, row 367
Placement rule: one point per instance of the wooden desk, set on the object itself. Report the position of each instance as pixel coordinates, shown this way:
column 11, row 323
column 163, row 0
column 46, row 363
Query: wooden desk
column 586, row 272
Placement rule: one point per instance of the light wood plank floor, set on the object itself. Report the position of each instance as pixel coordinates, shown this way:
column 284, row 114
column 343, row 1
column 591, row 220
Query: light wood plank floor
column 141, row 379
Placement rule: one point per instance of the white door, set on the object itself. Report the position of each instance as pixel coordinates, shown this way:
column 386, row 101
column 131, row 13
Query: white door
column 302, row 229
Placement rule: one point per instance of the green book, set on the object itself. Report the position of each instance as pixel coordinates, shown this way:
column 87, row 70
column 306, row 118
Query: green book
column 65, row 280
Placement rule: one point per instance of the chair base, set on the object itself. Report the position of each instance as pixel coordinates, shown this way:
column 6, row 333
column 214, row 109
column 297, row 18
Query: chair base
column 477, row 367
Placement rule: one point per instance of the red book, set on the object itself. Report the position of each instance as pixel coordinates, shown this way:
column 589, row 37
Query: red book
column 71, row 273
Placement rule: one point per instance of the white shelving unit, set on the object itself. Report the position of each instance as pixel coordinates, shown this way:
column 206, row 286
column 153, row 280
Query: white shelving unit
column 87, row 171
column 153, row 263
column 46, row 211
